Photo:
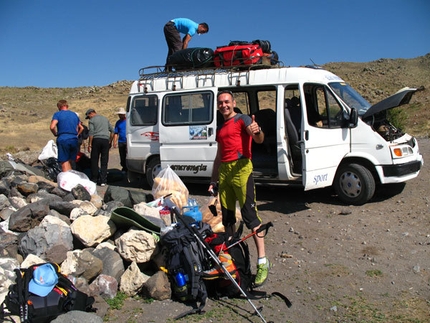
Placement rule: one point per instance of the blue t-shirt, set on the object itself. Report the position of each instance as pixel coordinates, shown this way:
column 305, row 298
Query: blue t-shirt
column 67, row 126
column 120, row 130
column 186, row 26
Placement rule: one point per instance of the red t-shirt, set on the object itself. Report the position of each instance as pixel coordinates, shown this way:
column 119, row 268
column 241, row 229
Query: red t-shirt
column 233, row 140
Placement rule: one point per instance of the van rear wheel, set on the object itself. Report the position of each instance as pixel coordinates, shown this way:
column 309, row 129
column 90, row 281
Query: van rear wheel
column 152, row 170
column 354, row 184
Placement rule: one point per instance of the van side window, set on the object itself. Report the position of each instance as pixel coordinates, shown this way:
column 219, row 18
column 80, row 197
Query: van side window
column 293, row 106
column 143, row 111
column 322, row 108
column 188, row 108
column 242, row 102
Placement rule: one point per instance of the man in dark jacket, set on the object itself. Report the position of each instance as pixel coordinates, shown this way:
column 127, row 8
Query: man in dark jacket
column 99, row 143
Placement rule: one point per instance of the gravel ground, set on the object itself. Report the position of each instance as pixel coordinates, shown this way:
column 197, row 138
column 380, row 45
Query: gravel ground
column 335, row 263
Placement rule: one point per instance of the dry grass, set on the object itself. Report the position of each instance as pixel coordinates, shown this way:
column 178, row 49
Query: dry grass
column 25, row 113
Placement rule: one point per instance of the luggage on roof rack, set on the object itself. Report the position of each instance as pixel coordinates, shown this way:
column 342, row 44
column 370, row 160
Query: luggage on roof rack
column 191, row 58
column 247, row 54
column 265, row 45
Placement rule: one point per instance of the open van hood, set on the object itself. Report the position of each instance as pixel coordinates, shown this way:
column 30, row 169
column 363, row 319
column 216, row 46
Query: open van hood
column 403, row 96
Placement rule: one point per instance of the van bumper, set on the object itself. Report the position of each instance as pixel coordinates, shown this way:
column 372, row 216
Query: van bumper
column 402, row 170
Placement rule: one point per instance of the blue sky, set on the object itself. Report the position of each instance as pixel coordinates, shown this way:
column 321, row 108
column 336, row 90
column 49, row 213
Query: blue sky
column 56, row 43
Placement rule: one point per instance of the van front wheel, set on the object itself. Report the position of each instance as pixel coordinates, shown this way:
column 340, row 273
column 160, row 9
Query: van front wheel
column 354, row 184
column 152, row 170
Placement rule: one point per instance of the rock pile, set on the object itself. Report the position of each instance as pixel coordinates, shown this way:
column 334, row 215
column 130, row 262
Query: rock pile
column 40, row 222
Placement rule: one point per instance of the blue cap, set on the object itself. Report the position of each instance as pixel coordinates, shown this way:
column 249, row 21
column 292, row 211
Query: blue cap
column 44, row 279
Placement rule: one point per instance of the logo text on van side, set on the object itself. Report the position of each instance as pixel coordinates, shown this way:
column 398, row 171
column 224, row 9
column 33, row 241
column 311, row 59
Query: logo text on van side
column 190, row 168
column 320, row 178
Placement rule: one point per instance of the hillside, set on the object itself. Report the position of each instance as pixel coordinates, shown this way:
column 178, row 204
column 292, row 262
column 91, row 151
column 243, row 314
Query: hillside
column 25, row 113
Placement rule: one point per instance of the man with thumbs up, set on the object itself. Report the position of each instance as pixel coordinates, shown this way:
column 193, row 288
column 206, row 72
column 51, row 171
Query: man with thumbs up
column 233, row 170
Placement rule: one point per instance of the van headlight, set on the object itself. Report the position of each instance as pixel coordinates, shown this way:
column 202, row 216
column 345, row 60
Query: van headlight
column 400, row 152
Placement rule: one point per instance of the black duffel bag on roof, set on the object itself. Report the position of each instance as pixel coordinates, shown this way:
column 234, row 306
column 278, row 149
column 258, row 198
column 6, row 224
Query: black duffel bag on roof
column 188, row 58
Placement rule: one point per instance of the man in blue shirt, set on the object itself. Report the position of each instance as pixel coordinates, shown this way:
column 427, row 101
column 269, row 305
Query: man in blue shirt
column 66, row 126
column 173, row 30
column 120, row 138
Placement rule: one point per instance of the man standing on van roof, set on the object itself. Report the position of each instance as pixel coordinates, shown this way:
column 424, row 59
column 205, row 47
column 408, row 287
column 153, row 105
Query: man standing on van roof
column 233, row 169
column 99, row 143
column 175, row 27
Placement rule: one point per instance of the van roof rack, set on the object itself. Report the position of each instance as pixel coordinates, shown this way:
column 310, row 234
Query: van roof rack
column 151, row 72
column 156, row 78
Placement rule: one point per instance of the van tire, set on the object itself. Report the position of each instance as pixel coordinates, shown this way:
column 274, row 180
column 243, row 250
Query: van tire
column 152, row 170
column 354, row 184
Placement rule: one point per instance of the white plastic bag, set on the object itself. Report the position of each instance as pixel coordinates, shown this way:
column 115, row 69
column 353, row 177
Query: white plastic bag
column 68, row 180
column 50, row 150
column 168, row 182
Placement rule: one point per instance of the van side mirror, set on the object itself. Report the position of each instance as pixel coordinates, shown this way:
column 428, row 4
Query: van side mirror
column 353, row 118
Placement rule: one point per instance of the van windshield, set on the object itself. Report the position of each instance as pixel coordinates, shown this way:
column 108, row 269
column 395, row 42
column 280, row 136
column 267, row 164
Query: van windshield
column 350, row 96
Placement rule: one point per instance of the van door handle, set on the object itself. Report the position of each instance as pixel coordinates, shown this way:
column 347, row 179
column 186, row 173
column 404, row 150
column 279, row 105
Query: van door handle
column 307, row 135
column 210, row 131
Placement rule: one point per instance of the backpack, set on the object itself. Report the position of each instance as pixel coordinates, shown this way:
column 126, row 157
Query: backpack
column 186, row 260
column 84, row 134
column 241, row 257
column 32, row 308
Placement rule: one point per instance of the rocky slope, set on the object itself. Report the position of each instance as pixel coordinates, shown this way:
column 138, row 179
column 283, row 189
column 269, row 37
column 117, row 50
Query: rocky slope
column 25, row 113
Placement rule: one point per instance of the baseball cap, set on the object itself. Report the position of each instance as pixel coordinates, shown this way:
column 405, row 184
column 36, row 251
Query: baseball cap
column 44, row 279
column 88, row 112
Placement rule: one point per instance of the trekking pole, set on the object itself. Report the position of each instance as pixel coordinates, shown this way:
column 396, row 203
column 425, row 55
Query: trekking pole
column 263, row 227
column 215, row 258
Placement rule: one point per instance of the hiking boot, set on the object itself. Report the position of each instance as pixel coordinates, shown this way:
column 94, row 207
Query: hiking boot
column 262, row 273
column 217, row 272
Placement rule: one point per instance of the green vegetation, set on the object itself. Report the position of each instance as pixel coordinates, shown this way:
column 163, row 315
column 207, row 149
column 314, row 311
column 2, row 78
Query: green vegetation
column 374, row 273
column 117, row 302
column 9, row 149
column 398, row 117
column 359, row 310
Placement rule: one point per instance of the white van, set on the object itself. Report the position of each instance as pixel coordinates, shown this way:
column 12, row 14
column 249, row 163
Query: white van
column 318, row 130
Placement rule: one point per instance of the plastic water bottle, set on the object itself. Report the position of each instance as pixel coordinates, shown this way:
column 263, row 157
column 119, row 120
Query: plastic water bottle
column 194, row 212
column 181, row 288
column 180, row 279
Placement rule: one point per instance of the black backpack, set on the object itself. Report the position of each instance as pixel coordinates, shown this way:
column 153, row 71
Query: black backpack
column 84, row 134
column 186, row 260
column 32, row 308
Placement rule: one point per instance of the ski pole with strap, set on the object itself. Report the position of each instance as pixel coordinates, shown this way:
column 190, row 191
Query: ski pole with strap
column 263, row 227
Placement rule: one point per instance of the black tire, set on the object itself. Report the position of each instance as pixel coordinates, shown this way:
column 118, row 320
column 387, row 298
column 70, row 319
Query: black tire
column 152, row 170
column 354, row 184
